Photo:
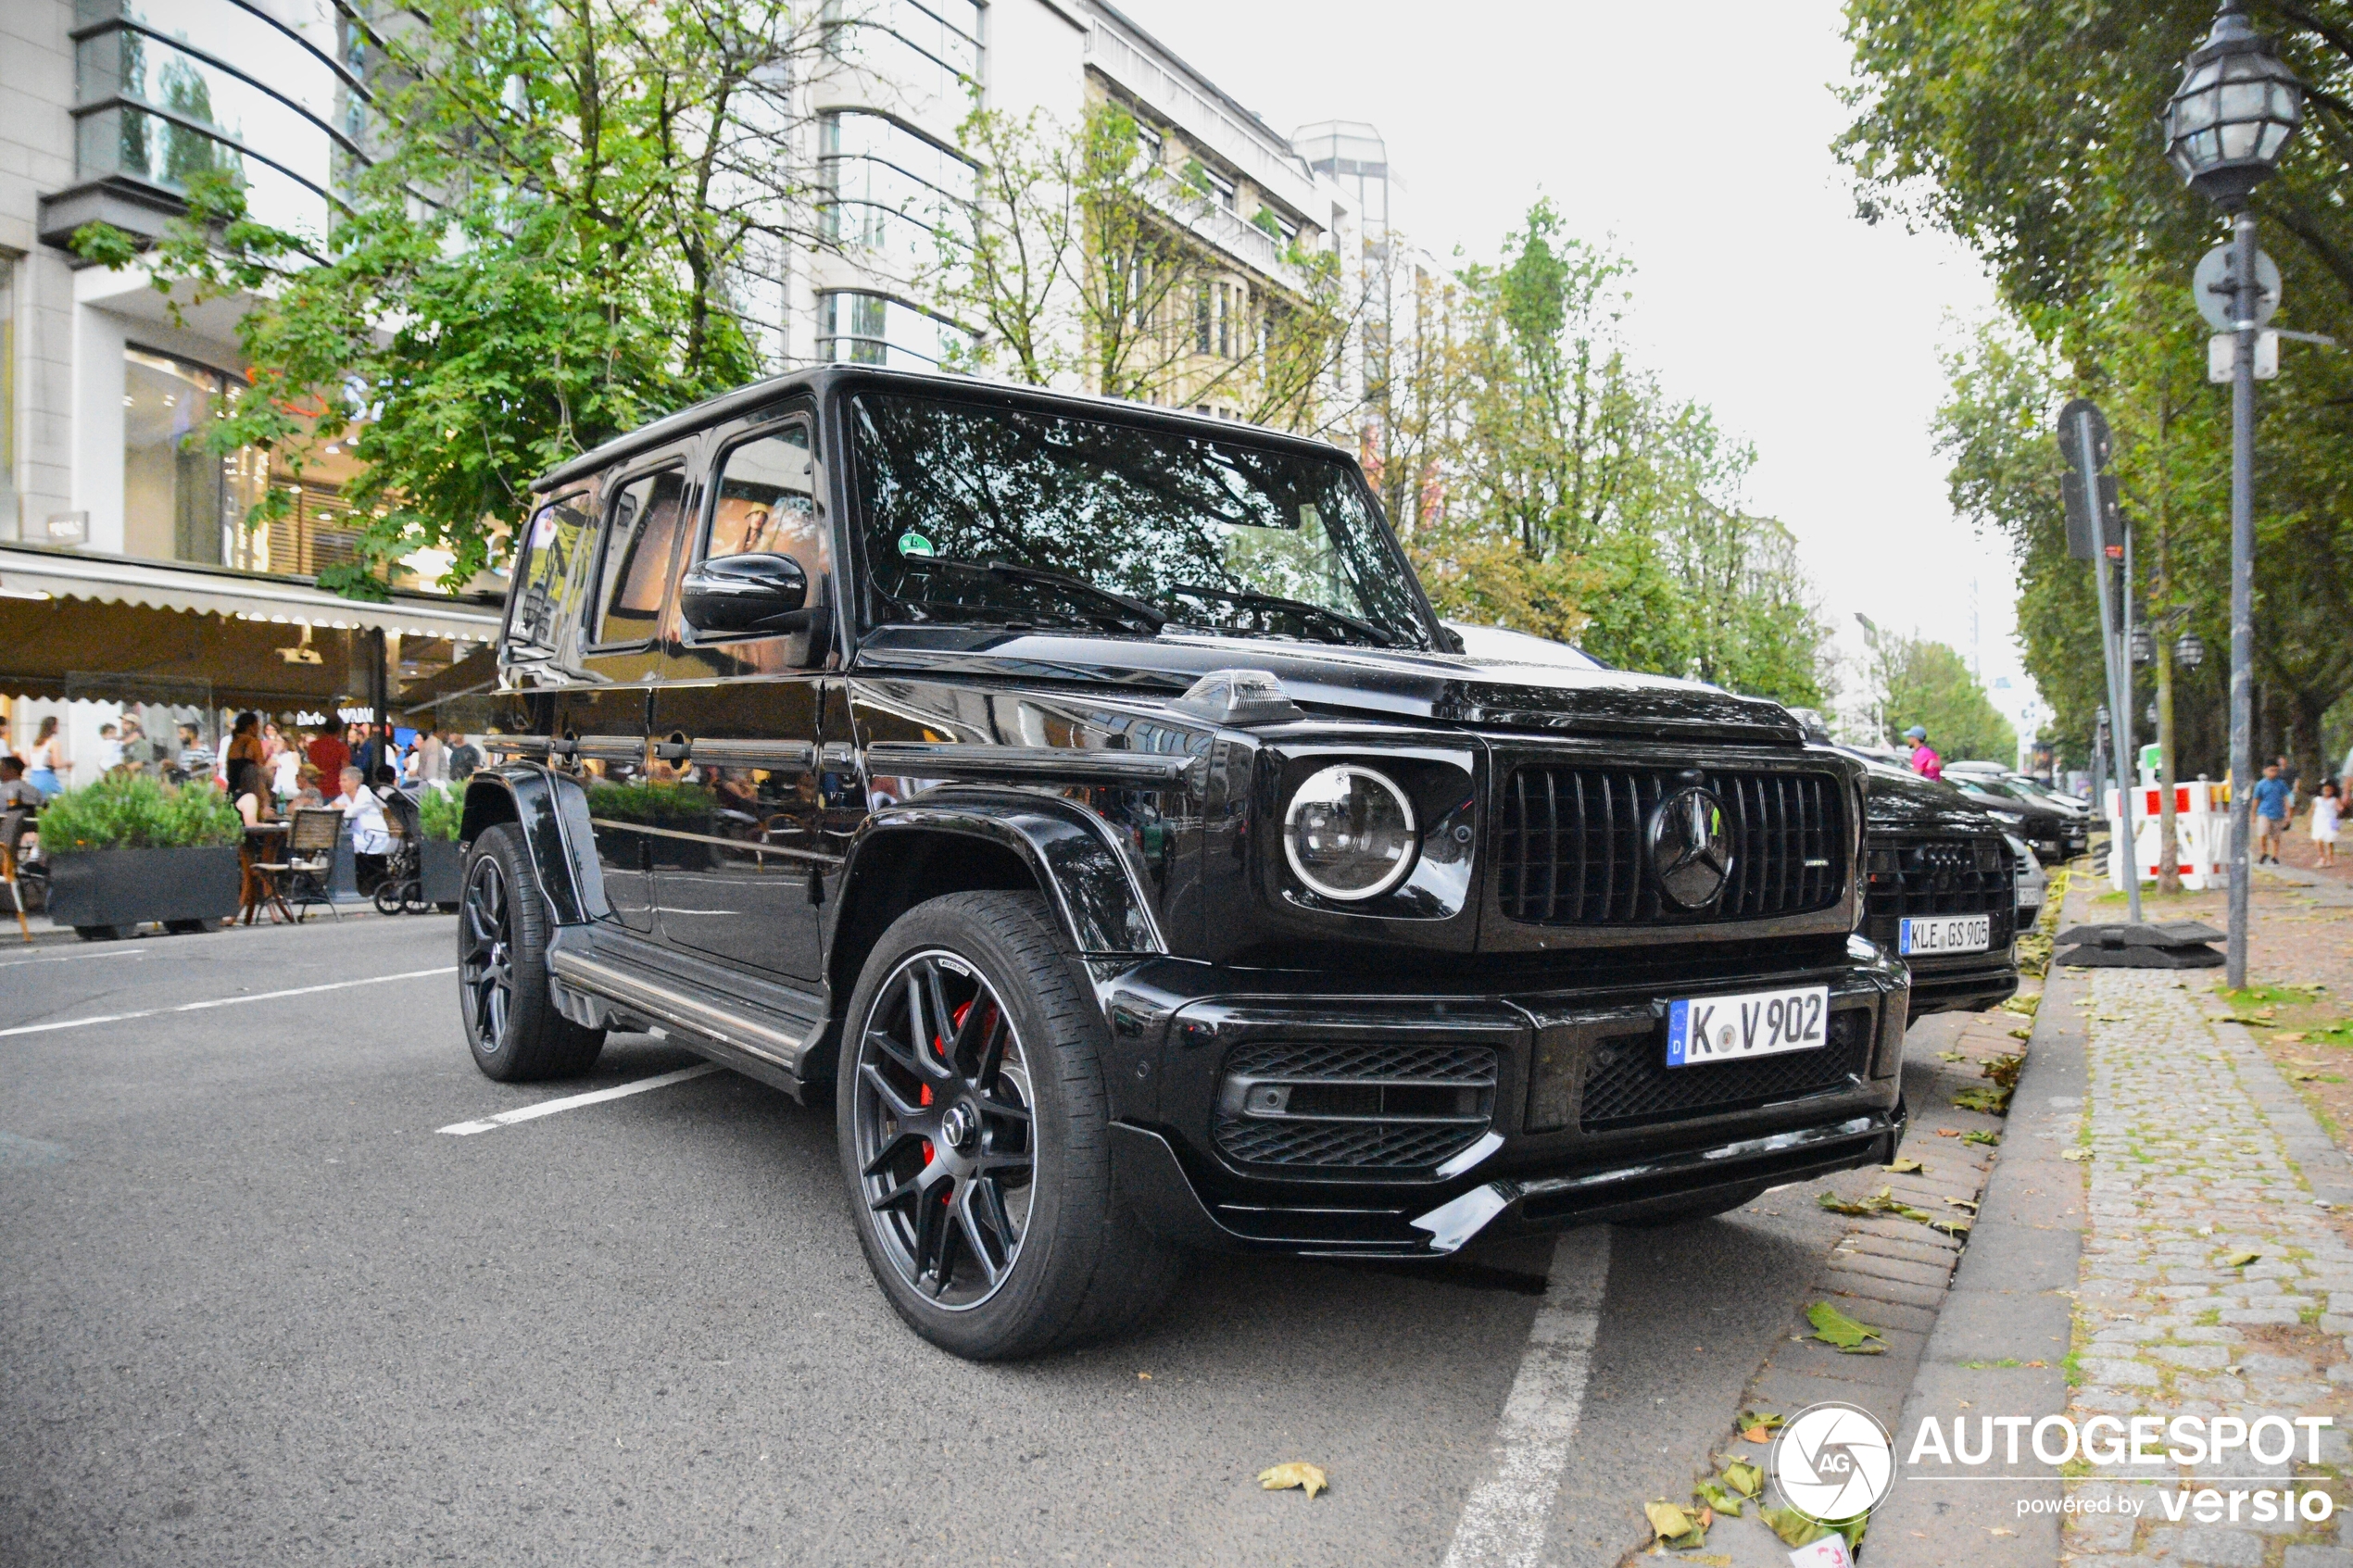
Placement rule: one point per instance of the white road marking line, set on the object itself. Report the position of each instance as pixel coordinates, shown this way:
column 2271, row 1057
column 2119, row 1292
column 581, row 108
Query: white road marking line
column 224, row 1001
column 1503, row 1524
column 73, row 958
column 574, row 1102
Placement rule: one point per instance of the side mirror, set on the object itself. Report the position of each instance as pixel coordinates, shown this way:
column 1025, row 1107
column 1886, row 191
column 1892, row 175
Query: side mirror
column 752, row 594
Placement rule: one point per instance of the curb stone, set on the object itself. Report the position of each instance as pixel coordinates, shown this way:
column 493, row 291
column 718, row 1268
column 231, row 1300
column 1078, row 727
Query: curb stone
column 2011, row 1300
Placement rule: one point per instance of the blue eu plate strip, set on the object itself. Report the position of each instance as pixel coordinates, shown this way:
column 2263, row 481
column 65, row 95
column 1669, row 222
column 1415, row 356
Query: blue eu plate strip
column 1678, row 1032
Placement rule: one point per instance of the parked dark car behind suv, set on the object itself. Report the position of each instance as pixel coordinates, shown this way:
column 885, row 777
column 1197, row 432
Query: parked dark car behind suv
column 1086, row 797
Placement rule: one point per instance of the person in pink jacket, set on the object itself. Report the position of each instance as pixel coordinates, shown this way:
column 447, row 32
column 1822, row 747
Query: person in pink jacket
column 1925, row 762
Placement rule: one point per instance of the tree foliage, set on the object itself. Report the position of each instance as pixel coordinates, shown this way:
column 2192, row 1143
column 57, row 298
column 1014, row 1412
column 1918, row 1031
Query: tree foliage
column 1912, row 680
column 2029, row 131
column 1546, row 483
column 565, row 205
column 1086, row 261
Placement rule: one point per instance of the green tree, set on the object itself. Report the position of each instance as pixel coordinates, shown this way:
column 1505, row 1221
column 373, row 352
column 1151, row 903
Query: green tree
column 1083, row 259
column 1918, row 682
column 552, row 245
column 2021, row 129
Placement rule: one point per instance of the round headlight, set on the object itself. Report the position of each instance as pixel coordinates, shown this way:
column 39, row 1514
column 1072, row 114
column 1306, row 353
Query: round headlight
column 1349, row 834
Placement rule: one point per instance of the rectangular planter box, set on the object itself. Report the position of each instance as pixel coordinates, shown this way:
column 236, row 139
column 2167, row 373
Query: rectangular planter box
column 116, row 887
column 438, row 869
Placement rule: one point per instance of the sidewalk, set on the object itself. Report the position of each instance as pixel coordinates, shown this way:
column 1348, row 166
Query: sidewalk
column 2215, row 1257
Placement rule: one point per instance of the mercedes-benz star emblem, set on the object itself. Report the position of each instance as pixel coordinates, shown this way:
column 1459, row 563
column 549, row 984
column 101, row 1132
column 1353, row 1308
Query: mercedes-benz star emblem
column 1689, row 849
column 957, row 1127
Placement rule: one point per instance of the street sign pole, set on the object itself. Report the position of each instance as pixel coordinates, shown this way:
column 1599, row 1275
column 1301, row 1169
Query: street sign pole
column 2246, row 305
column 2084, row 432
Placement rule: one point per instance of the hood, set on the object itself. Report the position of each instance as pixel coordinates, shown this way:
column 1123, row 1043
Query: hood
column 1897, row 801
column 1339, row 681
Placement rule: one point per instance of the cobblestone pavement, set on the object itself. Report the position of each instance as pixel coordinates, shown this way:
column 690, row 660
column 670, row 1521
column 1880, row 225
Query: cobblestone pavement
column 2202, row 1156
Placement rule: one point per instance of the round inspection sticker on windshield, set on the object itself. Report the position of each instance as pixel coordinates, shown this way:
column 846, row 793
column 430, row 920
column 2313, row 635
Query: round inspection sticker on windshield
column 913, row 544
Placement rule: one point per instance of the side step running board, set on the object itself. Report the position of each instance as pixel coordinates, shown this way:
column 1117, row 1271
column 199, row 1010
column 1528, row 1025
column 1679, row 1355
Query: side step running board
column 723, row 1034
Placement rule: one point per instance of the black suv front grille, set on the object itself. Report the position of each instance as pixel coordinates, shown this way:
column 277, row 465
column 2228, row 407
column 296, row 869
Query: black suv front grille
column 1627, row 1084
column 1906, row 877
column 1573, row 846
column 1354, row 1106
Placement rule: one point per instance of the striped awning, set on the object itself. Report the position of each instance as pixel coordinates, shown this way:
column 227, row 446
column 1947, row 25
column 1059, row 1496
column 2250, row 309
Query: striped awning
column 33, row 571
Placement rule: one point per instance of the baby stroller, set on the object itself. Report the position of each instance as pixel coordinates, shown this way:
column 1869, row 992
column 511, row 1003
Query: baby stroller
column 402, row 889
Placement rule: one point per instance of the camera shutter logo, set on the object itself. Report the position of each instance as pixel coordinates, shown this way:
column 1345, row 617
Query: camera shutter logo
column 1834, row 1462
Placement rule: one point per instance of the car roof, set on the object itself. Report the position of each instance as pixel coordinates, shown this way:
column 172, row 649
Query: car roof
column 817, row 380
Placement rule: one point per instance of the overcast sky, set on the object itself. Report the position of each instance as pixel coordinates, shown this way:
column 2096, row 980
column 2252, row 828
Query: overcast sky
column 1697, row 138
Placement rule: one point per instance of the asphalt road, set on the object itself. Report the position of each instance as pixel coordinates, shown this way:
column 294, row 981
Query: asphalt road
column 255, row 1310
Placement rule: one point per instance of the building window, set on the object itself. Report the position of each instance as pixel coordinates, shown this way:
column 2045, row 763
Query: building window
column 180, row 500
column 926, row 48
column 871, row 328
column 149, row 110
column 1154, row 145
column 1221, row 189
column 887, row 191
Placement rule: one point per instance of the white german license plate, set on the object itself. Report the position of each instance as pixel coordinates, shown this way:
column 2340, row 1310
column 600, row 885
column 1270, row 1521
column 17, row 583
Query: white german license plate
column 1946, row 934
column 1701, row 1030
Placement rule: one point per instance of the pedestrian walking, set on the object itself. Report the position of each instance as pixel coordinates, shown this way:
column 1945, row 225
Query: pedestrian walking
column 2274, row 803
column 45, row 764
column 1925, row 762
column 2327, row 808
column 464, row 758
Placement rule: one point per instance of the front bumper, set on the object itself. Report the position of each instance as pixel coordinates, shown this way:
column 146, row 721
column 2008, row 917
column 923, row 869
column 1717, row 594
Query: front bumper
column 1970, row 984
column 1567, row 1141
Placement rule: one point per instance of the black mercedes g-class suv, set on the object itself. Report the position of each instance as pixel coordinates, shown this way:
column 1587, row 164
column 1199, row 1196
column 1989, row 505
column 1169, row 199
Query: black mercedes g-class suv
column 1086, row 796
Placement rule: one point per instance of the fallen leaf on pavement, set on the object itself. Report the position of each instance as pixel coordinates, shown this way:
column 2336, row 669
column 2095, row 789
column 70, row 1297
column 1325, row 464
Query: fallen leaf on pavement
column 2075, row 1154
column 1948, row 1132
column 1746, row 1479
column 2240, row 1260
column 1982, row 1135
column 1674, row 1527
column 1952, row 1056
column 1950, row 1227
column 1991, row 1102
column 1284, row 1476
column 1793, row 1527
column 1835, row 1327
column 1717, row 1498
column 1904, row 1166
column 2026, row 1033
column 1967, row 1203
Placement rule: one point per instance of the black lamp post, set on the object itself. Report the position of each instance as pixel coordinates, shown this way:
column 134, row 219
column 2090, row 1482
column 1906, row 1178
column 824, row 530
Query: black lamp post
column 2237, row 106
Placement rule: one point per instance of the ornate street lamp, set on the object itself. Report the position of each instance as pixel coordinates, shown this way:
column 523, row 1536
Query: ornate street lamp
column 2236, row 108
column 2189, row 650
column 2143, row 646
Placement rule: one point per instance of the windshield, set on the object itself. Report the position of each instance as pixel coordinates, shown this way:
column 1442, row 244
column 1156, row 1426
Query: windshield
column 1008, row 517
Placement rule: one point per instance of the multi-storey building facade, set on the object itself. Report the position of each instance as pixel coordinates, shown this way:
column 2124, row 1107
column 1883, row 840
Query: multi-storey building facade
column 108, row 107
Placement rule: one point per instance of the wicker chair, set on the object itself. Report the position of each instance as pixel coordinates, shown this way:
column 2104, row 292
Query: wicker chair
column 310, row 859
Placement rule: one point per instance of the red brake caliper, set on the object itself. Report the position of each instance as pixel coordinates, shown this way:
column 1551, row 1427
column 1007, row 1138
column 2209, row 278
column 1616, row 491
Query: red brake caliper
column 939, row 1046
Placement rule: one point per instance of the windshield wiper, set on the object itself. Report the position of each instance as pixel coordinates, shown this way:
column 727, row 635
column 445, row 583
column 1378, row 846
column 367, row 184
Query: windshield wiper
column 1130, row 609
column 1364, row 629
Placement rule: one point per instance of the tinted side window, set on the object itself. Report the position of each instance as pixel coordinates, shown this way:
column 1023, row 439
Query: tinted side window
column 549, row 580
column 765, row 504
column 639, row 533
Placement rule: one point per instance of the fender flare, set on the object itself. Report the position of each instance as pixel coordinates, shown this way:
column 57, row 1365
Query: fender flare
column 1093, row 879
column 552, row 815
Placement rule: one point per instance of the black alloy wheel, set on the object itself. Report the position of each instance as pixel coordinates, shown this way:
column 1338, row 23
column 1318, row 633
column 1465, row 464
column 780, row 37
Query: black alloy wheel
column 514, row 1030
column 486, row 955
column 976, row 1135
column 944, row 1129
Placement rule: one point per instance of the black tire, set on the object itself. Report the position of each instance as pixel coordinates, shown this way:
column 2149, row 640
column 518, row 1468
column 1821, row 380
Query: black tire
column 387, row 896
column 1078, row 1265
column 189, row 927
column 512, row 1026
column 99, row 933
column 1700, row 1206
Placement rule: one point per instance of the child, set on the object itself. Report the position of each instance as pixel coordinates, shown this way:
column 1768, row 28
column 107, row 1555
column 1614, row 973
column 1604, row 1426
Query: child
column 2324, row 817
